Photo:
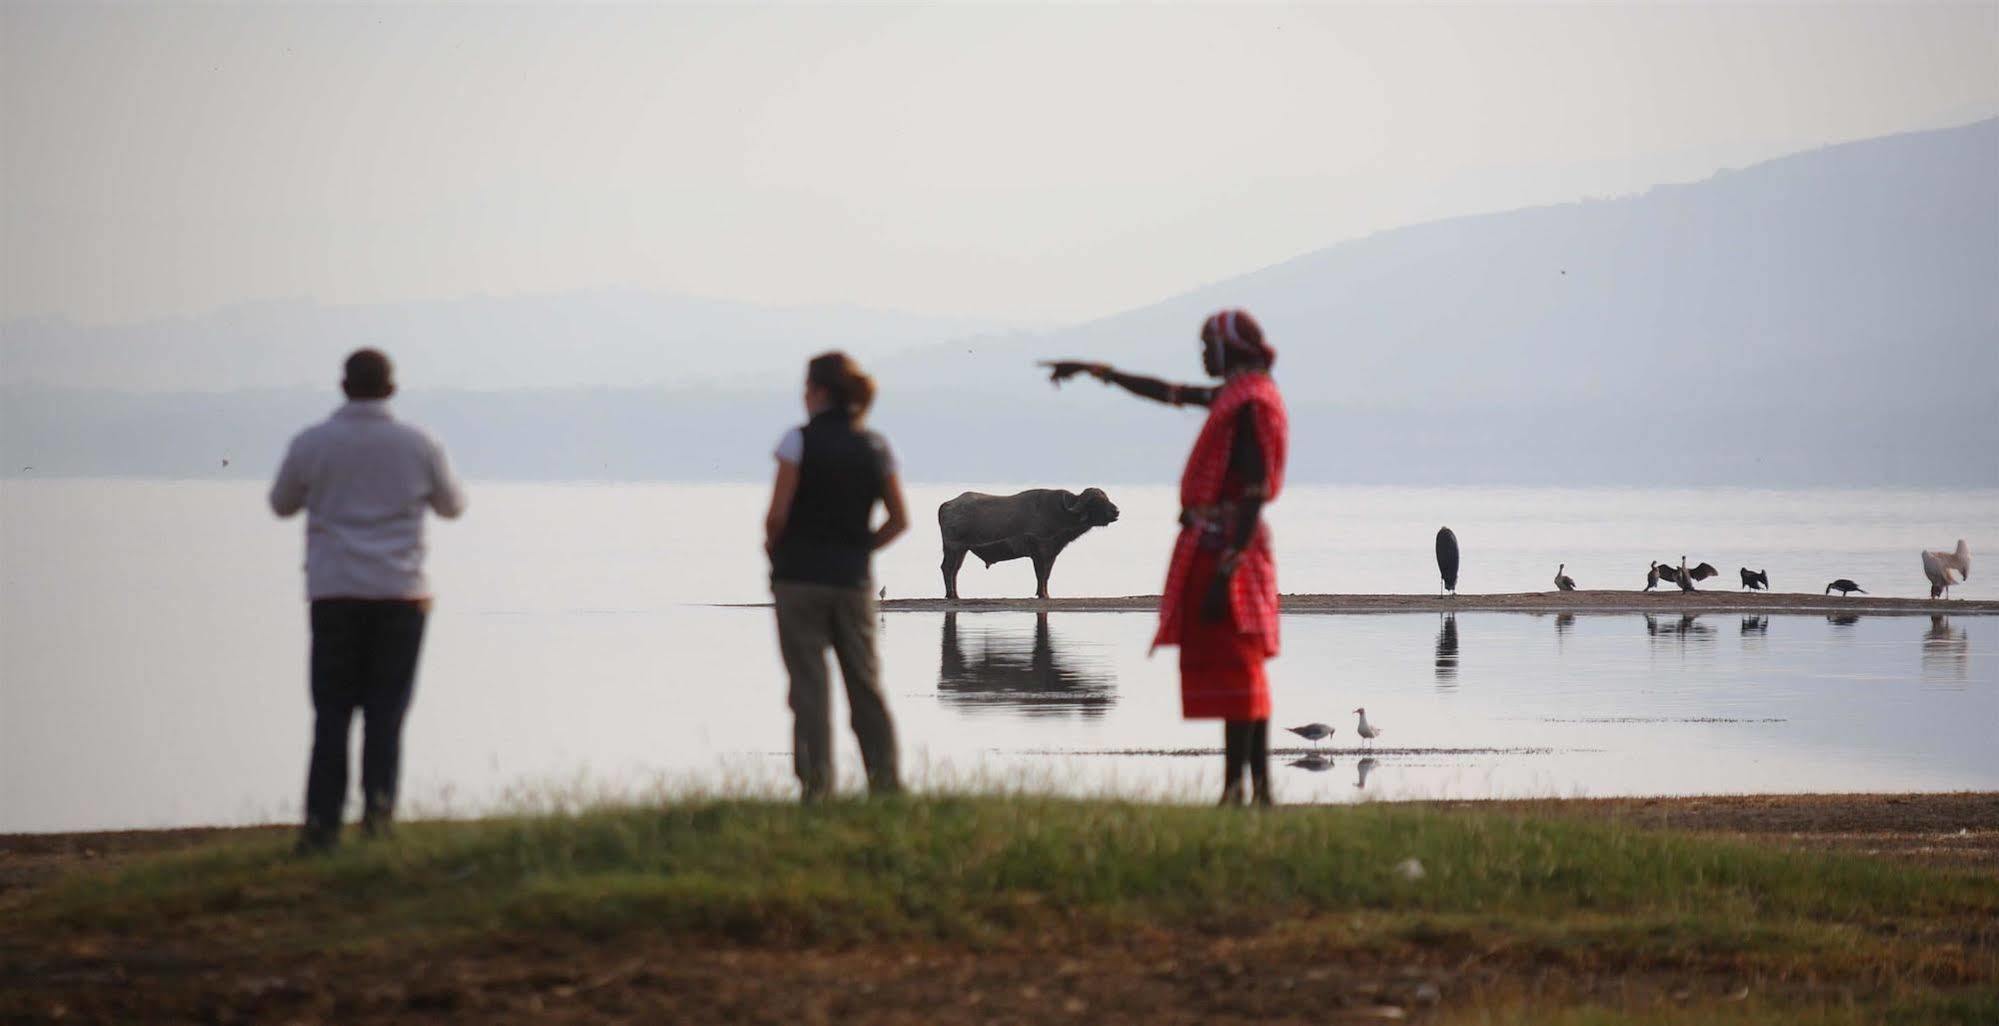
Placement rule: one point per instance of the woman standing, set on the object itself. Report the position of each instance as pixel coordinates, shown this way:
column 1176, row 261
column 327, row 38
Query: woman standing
column 1222, row 564
column 830, row 474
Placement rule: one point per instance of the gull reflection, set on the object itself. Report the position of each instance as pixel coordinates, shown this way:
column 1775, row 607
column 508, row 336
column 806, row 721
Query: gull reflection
column 1313, row 762
column 1361, row 770
column 1946, row 652
column 996, row 668
column 1447, row 653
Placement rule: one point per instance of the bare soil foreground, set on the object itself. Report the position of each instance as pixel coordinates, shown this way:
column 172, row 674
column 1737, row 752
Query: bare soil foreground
column 1672, row 602
column 949, row 911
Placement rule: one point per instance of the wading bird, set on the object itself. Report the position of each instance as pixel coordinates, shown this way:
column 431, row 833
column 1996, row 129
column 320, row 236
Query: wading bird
column 1947, row 568
column 1313, row 732
column 1563, row 582
column 1366, row 730
column 1447, row 558
column 1652, row 576
column 1755, row 580
column 1845, row 587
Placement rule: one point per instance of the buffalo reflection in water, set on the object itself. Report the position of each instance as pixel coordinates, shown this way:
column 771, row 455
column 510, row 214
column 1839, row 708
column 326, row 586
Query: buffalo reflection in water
column 1008, row 672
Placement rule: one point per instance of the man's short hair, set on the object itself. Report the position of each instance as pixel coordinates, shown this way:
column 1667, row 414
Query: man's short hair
column 369, row 375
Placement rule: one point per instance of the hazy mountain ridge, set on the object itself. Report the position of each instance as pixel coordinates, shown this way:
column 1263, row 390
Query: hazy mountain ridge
column 604, row 338
column 1824, row 318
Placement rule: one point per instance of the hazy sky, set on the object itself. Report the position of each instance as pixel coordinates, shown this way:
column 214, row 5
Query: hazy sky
column 1032, row 164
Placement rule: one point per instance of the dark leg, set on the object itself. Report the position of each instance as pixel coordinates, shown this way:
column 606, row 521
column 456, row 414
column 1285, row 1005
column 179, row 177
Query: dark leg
column 1259, row 761
column 1235, row 750
column 395, row 638
column 336, row 672
column 853, row 635
column 804, row 631
column 953, row 559
column 1042, row 565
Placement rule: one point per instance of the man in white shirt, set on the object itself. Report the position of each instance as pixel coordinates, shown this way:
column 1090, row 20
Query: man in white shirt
column 363, row 479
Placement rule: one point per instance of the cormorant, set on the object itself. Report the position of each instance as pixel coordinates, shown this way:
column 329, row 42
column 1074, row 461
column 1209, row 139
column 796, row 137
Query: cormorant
column 1685, row 578
column 1844, row 587
column 1447, row 558
column 1652, row 576
column 1563, row 582
column 1755, row 580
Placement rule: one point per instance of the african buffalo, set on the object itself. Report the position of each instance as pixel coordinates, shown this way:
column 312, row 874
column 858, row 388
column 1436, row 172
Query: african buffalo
column 1037, row 524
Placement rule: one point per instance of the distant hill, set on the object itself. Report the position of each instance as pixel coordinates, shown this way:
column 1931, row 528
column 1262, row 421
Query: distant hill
column 1829, row 318
column 610, row 338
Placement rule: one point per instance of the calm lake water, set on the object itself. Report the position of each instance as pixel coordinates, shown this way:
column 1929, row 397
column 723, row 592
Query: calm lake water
column 152, row 653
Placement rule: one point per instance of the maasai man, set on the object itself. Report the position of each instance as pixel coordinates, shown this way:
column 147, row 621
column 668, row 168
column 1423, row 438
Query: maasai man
column 1220, row 601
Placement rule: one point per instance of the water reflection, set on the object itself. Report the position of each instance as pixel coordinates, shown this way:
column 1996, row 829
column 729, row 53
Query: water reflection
column 993, row 668
column 1755, row 625
column 1361, row 770
column 1687, row 628
column 1313, row 763
column 1946, row 652
column 1842, row 619
column 1447, row 653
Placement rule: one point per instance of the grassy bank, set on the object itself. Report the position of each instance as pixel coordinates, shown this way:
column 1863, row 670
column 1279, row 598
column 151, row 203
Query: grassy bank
column 1512, row 914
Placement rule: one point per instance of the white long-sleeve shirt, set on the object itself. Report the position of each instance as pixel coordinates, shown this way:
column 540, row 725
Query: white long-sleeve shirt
column 363, row 479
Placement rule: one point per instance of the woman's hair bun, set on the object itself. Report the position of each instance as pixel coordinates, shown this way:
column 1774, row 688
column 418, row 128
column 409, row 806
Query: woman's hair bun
column 841, row 377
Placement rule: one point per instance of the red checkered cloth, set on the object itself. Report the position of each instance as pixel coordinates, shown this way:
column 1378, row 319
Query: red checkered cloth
column 1207, row 483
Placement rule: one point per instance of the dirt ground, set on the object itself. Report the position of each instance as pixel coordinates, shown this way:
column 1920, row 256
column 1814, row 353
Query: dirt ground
column 1255, row 974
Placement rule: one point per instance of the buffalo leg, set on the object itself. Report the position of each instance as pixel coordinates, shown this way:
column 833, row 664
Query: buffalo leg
column 1042, row 565
column 953, row 559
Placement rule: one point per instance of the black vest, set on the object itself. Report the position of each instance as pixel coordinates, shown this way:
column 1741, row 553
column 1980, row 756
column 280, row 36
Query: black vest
column 826, row 537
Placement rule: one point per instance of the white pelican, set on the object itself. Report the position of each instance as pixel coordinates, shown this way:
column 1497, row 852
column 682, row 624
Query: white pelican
column 1947, row 568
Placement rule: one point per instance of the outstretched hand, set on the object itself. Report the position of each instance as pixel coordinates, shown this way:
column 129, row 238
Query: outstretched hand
column 1062, row 370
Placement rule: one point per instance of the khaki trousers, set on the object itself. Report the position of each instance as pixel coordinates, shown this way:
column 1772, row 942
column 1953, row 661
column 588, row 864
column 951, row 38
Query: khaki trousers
column 810, row 619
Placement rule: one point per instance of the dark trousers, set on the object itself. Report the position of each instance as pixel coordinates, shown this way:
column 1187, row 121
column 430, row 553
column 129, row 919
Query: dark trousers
column 364, row 656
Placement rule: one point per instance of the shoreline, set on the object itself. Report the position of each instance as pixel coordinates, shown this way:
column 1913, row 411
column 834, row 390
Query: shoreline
column 1772, row 813
column 1585, row 603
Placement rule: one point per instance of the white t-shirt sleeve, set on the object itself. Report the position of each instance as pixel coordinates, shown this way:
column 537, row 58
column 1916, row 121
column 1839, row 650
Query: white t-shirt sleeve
column 791, row 448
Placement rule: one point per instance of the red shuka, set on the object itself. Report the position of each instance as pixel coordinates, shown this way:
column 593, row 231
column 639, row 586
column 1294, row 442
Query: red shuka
column 1221, row 662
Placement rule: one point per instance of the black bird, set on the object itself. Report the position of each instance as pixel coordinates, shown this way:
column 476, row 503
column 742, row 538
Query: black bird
column 1447, row 558
column 1563, row 582
column 1685, row 578
column 1844, row 587
column 1652, row 576
column 1755, row 580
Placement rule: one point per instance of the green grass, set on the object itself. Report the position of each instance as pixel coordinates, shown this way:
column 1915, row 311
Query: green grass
column 1532, row 891
column 964, row 867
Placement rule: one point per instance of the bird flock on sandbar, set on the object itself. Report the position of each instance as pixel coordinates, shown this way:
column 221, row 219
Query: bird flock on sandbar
column 1945, row 570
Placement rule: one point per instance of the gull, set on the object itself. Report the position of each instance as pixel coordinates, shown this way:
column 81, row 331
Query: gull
column 1563, row 582
column 1366, row 730
column 1313, row 732
column 1947, row 568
